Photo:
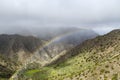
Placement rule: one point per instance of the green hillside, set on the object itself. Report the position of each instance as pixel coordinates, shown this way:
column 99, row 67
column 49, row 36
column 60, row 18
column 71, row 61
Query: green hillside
column 96, row 59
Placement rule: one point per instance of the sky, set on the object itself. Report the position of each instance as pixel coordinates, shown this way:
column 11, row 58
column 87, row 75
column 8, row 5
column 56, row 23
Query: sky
column 99, row 15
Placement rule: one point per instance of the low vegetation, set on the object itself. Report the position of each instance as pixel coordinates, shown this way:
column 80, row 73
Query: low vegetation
column 96, row 59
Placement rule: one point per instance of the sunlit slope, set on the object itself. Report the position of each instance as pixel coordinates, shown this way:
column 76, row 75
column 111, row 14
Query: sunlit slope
column 96, row 59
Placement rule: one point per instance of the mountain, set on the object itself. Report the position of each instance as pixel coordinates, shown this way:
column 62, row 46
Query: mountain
column 78, row 36
column 18, row 52
column 61, row 44
column 94, row 59
column 13, row 44
column 14, row 51
column 48, row 33
column 44, row 33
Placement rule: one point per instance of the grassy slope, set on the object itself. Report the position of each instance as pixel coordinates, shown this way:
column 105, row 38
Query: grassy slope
column 78, row 68
column 97, row 59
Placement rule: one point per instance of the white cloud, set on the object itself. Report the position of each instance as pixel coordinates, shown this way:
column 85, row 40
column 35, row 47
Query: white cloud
column 58, row 12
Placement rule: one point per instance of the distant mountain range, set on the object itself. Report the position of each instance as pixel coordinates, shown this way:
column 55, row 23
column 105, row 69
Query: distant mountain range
column 46, row 33
column 94, row 59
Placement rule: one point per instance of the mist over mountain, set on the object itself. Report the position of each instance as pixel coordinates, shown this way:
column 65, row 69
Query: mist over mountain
column 97, row 58
column 46, row 33
column 59, row 39
column 65, row 42
column 17, row 51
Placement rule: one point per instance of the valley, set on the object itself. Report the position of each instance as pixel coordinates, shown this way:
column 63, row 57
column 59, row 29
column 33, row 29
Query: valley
column 94, row 59
column 59, row 39
column 27, row 52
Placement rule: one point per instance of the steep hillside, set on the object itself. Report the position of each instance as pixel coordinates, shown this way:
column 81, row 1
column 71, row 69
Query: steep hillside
column 95, row 59
column 18, row 52
column 14, row 50
column 65, row 43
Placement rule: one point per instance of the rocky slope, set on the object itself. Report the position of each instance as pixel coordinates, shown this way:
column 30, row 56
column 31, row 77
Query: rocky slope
column 13, row 44
column 18, row 52
column 95, row 59
column 65, row 43
column 14, row 51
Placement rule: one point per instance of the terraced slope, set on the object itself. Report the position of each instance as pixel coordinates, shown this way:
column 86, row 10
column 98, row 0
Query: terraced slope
column 95, row 59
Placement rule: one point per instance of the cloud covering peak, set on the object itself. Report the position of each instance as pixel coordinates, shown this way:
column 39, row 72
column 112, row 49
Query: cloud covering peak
column 58, row 12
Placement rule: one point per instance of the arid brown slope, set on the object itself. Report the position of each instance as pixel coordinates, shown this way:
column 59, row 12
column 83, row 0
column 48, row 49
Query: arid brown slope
column 14, row 49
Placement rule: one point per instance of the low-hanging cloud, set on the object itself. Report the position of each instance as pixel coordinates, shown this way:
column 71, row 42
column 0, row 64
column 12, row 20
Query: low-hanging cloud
column 58, row 12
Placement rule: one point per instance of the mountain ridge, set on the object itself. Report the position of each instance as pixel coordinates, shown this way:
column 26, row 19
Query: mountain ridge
column 19, row 51
column 94, row 59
